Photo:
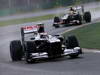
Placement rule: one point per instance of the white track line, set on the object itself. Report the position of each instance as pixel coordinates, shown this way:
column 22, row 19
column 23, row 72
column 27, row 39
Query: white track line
column 91, row 50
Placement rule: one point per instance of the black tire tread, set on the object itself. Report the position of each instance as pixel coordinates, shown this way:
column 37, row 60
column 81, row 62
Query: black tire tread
column 87, row 17
column 72, row 42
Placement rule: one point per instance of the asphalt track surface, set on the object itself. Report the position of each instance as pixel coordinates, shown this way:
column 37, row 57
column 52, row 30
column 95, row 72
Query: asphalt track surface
column 86, row 64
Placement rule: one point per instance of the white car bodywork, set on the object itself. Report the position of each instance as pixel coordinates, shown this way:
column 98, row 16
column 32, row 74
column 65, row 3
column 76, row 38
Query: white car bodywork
column 64, row 17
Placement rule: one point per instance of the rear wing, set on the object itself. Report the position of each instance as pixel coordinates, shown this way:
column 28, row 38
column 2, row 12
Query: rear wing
column 31, row 29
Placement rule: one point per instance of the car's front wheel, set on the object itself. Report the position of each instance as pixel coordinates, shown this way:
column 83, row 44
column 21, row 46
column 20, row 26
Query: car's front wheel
column 72, row 42
column 56, row 22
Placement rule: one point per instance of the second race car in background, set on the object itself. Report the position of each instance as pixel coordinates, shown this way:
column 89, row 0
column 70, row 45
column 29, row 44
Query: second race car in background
column 75, row 16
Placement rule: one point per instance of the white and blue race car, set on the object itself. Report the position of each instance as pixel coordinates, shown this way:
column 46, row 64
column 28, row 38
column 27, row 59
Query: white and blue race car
column 35, row 43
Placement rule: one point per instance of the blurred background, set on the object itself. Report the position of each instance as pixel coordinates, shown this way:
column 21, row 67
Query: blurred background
column 11, row 7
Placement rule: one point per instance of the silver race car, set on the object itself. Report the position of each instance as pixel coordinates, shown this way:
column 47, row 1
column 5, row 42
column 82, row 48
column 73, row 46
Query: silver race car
column 75, row 16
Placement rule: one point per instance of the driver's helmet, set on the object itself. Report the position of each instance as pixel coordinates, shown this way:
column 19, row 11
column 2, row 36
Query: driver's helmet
column 72, row 11
column 40, row 28
column 43, row 35
column 71, row 8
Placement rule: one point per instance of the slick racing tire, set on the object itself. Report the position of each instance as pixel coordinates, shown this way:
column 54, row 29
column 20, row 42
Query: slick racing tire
column 56, row 19
column 72, row 42
column 87, row 17
column 16, row 51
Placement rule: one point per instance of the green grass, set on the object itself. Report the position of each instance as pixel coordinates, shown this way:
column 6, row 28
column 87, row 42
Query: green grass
column 88, row 36
column 25, row 20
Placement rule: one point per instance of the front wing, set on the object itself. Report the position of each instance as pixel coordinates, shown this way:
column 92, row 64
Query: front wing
column 67, row 52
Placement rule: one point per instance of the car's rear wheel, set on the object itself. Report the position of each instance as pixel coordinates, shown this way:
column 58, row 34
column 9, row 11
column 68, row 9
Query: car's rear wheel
column 16, row 51
column 56, row 19
column 87, row 17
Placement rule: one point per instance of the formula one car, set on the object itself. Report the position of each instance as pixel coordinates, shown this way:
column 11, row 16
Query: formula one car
column 36, row 43
column 76, row 16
